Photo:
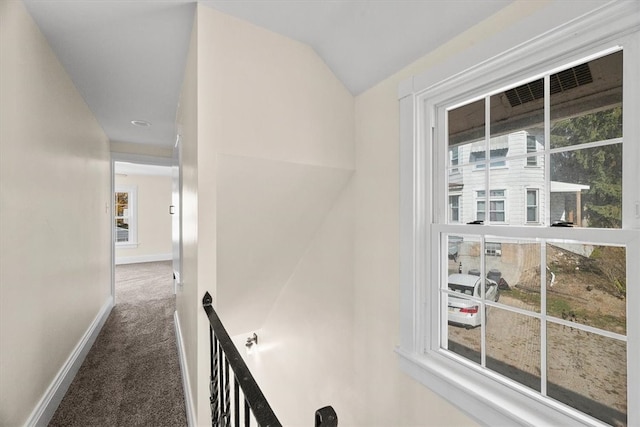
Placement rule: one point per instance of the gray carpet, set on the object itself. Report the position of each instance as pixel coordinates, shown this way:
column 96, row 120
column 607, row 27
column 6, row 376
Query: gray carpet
column 131, row 376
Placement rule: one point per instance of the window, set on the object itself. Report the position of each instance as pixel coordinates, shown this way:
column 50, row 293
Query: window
column 552, row 343
column 454, row 160
column 493, row 249
column 532, row 205
column 125, row 219
column 496, row 206
column 478, row 157
column 532, row 147
column 454, row 208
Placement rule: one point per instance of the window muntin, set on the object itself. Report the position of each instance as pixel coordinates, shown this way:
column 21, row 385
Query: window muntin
column 521, row 329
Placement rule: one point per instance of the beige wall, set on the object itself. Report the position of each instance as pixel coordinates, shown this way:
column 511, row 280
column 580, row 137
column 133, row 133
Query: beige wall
column 188, row 306
column 267, row 161
column 153, row 219
column 55, row 265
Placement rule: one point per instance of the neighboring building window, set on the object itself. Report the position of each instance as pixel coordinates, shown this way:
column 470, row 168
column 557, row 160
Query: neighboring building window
column 532, row 205
column 454, row 208
column 496, row 206
column 493, row 249
column 454, row 160
column 480, row 156
column 532, row 147
column 548, row 340
column 125, row 218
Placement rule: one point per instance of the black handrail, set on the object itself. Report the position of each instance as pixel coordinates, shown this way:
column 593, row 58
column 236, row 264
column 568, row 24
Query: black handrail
column 225, row 355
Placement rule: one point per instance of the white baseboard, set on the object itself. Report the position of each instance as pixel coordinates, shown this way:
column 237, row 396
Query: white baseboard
column 186, row 384
column 143, row 258
column 47, row 406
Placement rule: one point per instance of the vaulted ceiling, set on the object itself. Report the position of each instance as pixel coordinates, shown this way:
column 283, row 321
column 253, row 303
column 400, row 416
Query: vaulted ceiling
column 127, row 58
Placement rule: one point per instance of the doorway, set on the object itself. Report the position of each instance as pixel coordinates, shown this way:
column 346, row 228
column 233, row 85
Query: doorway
column 142, row 207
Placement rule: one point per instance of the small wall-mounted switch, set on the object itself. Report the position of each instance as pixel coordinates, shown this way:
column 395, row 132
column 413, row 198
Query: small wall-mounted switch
column 172, row 210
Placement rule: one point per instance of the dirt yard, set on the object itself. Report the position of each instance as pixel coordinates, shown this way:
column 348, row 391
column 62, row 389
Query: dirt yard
column 584, row 370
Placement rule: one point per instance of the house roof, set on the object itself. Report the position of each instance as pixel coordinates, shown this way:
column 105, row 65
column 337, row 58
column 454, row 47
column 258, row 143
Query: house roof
column 567, row 187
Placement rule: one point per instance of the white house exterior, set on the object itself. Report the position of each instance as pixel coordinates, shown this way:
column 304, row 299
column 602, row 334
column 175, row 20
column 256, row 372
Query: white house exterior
column 517, row 193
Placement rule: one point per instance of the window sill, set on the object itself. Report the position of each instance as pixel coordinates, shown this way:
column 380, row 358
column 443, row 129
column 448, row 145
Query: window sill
column 131, row 245
column 484, row 399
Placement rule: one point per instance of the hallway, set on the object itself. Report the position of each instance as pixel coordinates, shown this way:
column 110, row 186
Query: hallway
column 131, row 375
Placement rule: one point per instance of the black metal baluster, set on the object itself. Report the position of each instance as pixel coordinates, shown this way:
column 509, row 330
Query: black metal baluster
column 236, row 402
column 247, row 414
column 227, row 392
column 214, row 400
column 220, row 385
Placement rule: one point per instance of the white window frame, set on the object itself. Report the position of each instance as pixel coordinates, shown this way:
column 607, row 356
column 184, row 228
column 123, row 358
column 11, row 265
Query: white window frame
column 133, row 216
column 482, row 395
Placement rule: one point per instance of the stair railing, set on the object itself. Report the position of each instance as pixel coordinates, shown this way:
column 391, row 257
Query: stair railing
column 228, row 370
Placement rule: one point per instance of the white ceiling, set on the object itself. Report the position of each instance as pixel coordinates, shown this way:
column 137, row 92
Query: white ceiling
column 127, row 58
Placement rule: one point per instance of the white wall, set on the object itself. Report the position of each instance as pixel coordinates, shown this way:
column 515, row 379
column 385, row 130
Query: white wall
column 55, row 227
column 392, row 398
column 153, row 219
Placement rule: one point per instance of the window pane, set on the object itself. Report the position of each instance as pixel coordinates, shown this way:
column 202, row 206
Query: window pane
column 513, row 346
column 586, row 187
column 516, row 271
column 517, row 120
column 122, row 230
column 481, row 210
column 466, row 129
column 586, row 102
column 122, row 204
column 463, row 188
column 464, row 341
column 588, row 285
column 122, row 198
column 463, row 278
column 588, row 372
column 463, row 254
column 509, row 192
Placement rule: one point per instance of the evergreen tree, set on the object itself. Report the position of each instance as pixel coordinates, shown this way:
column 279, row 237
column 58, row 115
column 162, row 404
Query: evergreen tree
column 598, row 167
